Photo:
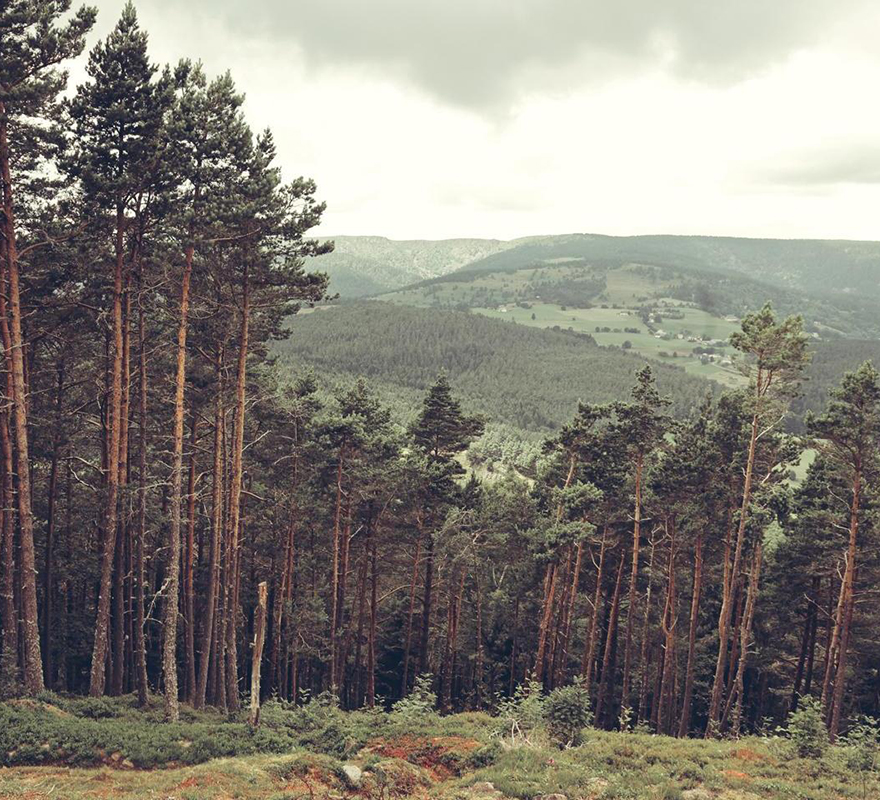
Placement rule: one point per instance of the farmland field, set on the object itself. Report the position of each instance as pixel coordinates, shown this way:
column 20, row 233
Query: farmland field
column 695, row 323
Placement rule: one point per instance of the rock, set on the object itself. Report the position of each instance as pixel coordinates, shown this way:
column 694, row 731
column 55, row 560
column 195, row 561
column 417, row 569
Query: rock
column 696, row 794
column 353, row 775
column 482, row 787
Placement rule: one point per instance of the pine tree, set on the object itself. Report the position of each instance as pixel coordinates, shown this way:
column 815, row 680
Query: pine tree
column 441, row 431
column 34, row 40
column 849, row 435
column 640, row 425
column 118, row 120
column 775, row 355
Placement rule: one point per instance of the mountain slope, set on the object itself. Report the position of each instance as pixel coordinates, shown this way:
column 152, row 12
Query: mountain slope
column 525, row 377
column 810, row 265
column 363, row 265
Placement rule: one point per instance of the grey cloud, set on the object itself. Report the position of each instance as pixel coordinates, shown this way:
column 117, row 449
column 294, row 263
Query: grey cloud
column 481, row 52
column 839, row 164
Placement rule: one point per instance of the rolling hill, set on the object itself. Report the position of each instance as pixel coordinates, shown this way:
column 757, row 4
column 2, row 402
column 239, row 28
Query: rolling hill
column 524, row 377
column 366, row 265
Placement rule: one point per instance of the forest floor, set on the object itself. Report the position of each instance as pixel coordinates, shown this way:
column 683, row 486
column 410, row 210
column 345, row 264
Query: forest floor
column 80, row 749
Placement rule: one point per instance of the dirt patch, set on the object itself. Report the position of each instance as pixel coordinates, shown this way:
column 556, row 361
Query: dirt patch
column 442, row 757
column 740, row 776
column 747, row 754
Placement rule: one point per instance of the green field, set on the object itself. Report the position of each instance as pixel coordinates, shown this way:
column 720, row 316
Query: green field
column 521, row 296
column 679, row 351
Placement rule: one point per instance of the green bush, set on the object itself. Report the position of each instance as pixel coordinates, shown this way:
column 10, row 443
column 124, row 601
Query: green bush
column 33, row 733
column 318, row 724
column 419, row 704
column 567, row 710
column 806, row 729
column 860, row 749
column 520, row 715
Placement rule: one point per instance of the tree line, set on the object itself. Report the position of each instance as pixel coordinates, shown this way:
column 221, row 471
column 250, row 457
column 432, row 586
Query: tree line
column 158, row 466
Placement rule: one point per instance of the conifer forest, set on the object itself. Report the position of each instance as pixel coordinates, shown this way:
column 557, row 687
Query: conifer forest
column 189, row 514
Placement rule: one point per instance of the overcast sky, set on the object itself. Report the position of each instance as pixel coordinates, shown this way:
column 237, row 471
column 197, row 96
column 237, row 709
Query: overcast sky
column 505, row 118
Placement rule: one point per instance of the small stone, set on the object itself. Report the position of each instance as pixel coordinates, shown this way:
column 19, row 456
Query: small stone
column 353, row 775
column 483, row 786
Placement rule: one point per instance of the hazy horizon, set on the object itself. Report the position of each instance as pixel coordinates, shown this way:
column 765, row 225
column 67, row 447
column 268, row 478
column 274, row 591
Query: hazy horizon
column 484, row 120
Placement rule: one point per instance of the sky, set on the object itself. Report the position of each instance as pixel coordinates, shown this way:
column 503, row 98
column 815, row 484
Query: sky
column 433, row 119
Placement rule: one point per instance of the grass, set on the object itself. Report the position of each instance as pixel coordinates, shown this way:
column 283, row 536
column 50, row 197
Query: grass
column 418, row 755
column 628, row 287
column 695, row 322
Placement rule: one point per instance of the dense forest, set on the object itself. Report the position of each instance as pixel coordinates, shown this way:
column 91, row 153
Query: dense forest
column 526, row 377
column 185, row 513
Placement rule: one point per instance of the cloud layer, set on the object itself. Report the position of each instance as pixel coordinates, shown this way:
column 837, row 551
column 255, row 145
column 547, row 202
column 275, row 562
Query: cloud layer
column 478, row 53
column 506, row 118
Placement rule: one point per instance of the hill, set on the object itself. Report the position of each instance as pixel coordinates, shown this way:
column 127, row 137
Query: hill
column 365, row 265
column 813, row 266
column 526, row 377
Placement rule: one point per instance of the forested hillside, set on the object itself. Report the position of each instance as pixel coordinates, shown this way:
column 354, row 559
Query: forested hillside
column 206, row 498
column 529, row 378
column 565, row 273
column 813, row 267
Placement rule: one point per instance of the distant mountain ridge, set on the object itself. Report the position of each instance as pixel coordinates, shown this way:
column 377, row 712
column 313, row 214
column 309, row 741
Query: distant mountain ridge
column 365, row 265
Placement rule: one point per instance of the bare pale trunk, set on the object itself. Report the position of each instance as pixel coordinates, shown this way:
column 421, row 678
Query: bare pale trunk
column 33, row 662
column 172, row 579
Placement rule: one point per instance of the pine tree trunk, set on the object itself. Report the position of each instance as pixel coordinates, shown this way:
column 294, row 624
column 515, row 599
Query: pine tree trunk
column 9, row 665
column 802, row 657
column 427, row 607
column 51, row 525
column 210, row 608
column 745, row 638
column 33, row 662
column 606, row 681
column 140, row 644
column 404, row 686
column 848, row 602
column 334, row 586
column 374, row 609
column 643, row 650
column 665, row 700
column 257, row 655
column 342, row 645
column 687, row 701
column 546, row 620
column 170, row 606
column 590, row 646
column 478, row 664
column 811, row 650
column 119, row 572
column 102, row 622
column 188, row 581
column 727, row 599
column 235, row 499
column 633, row 585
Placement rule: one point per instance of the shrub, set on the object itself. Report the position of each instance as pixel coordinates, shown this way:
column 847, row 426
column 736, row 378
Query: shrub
column 806, row 729
column 419, row 704
column 860, row 751
column 520, row 715
column 567, row 711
